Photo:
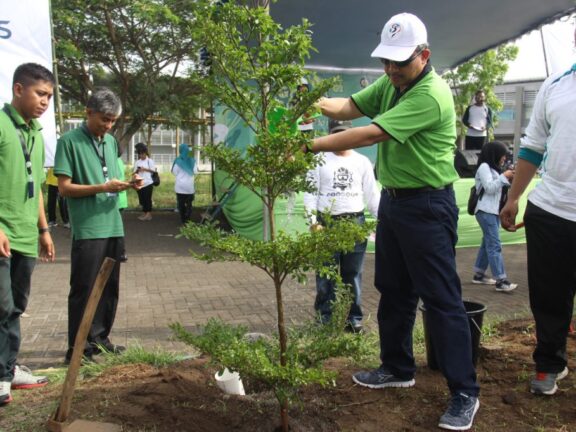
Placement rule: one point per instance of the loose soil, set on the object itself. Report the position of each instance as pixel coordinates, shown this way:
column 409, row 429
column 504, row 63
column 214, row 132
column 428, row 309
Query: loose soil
column 184, row 397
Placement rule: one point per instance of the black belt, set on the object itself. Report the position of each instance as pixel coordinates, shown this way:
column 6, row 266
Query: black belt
column 404, row 193
column 341, row 216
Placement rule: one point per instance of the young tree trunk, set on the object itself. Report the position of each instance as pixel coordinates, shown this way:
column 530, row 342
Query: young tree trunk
column 280, row 309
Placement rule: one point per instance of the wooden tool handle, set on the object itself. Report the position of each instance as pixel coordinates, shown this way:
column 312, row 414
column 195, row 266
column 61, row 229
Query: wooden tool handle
column 61, row 414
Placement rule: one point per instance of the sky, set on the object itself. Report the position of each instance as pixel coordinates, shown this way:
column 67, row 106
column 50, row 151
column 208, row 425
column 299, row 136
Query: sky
column 559, row 47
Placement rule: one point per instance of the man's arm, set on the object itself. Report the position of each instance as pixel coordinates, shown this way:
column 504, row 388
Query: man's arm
column 350, row 139
column 339, row 108
column 4, row 245
column 524, row 173
column 47, row 250
column 72, row 190
column 465, row 117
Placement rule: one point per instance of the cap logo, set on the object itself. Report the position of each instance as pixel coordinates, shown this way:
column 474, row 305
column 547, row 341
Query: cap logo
column 394, row 30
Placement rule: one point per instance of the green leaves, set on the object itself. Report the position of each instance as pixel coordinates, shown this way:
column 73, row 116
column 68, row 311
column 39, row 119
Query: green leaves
column 482, row 72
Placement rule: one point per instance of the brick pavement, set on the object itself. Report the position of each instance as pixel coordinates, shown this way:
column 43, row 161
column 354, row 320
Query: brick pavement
column 161, row 284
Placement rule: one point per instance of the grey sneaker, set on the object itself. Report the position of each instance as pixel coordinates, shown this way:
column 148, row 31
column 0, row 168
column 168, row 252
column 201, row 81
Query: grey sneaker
column 380, row 378
column 460, row 413
column 505, row 286
column 545, row 383
column 482, row 279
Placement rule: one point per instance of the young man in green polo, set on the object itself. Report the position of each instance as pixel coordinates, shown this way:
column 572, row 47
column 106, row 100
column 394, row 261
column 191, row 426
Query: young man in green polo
column 88, row 176
column 22, row 220
column 413, row 122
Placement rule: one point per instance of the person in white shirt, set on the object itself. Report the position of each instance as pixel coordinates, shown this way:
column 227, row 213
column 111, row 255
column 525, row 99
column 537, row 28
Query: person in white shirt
column 478, row 119
column 490, row 180
column 184, row 168
column 144, row 167
column 550, row 221
column 345, row 184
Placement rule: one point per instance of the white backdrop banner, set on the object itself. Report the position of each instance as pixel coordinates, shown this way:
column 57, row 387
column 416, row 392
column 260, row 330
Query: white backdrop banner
column 25, row 36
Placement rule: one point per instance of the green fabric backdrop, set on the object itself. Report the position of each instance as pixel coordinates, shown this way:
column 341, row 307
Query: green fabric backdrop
column 244, row 212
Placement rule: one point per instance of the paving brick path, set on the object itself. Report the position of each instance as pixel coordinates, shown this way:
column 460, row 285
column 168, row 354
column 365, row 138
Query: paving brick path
column 161, row 284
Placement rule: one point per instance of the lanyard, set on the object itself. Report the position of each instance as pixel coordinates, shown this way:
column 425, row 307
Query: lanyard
column 101, row 157
column 27, row 161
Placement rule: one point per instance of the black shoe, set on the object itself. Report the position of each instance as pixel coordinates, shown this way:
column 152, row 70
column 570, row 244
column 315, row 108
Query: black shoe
column 123, row 258
column 86, row 358
column 108, row 347
column 353, row 327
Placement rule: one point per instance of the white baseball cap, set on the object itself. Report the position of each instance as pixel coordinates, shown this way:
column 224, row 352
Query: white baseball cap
column 400, row 37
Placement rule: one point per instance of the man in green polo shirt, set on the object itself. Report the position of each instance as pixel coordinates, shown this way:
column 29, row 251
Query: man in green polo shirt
column 22, row 220
column 88, row 176
column 413, row 122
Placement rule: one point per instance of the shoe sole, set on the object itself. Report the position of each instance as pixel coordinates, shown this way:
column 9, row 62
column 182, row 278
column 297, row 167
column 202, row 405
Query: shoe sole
column 397, row 384
column 28, row 386
column 483, row 283
column 554, row 389
column 466, row 427
column 511, row 288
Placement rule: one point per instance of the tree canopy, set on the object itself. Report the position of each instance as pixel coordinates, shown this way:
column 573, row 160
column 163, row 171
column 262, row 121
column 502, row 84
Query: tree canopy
column 140, row 48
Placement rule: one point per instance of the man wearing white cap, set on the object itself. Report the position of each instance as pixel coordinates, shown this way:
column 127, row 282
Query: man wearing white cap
column 413, row 122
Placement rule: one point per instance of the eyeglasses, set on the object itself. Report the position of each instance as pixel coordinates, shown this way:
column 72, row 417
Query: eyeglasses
column 401, row 64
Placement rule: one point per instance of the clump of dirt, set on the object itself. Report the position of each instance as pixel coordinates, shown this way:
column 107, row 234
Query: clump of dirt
column 184, row 397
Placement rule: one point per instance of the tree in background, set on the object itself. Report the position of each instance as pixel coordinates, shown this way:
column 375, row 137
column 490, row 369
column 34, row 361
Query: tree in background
column 483, row 72
column 139, row 48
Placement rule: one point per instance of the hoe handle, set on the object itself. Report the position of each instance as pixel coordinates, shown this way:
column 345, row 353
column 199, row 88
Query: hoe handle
column 61, row 414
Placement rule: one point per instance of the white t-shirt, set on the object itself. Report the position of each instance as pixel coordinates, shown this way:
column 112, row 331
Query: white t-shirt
column 184, row 183
column 477, row 117
column 147, row 176
column 345, row 184
column 551, row 133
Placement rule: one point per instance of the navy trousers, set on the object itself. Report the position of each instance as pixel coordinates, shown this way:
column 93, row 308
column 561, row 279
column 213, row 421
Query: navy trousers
column 415, row 258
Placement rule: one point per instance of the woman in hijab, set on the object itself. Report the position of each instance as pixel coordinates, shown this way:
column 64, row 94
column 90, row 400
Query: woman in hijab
column 184, row 168
column 490, row 180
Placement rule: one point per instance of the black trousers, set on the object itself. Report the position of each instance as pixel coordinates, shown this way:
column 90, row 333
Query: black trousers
column 145, row 198
column 551, row 244
column 185, row 206
column 474, row 143
column 86, row 258
column 53, row 197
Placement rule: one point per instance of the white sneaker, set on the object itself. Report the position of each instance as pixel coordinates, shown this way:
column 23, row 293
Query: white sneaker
column 23, row 379
column 5, row 396
column 483, row 280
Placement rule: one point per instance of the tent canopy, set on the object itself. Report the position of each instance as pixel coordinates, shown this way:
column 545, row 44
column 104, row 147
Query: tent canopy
column 346, row 32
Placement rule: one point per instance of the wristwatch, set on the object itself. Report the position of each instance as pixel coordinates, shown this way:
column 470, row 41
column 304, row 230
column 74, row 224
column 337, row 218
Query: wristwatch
column 43, row 230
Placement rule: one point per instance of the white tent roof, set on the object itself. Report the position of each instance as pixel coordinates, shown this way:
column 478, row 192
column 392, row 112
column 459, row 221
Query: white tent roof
column 346, row 32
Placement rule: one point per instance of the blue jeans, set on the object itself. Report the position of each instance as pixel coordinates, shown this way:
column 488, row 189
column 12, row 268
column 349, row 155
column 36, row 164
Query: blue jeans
column 350, row 266
column 415, row 258
column 490, row 251
column 15, row 276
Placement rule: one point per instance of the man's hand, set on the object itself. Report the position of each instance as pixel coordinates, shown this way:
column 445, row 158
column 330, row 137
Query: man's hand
column 115, row 186
column 4, row 245
column 136, row 182
column 47, row 250
column 316, row 227
column 508, row 215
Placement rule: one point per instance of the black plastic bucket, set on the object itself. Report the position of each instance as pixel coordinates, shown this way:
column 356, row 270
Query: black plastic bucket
column 475, row 313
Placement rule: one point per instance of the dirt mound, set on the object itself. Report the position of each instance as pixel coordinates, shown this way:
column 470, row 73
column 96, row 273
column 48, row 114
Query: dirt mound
column 184, row 397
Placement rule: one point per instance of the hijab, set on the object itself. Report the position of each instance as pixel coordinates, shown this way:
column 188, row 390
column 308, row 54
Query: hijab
column 184, row 161
column 492, row 153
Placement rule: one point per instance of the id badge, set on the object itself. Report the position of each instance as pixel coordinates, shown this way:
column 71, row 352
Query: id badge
column 30, row 188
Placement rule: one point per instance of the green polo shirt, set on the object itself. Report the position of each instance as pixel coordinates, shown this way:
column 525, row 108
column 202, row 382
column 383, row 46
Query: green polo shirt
column 18, row 212
column 95, row 216
column 423, row 130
